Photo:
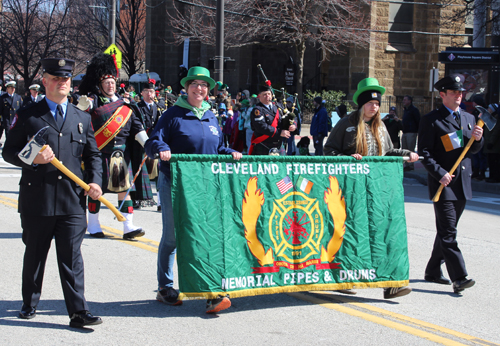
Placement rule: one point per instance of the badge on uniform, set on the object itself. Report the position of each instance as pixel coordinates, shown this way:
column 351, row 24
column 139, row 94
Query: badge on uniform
column 256, row 112
column 80, row 128
column 125, row 100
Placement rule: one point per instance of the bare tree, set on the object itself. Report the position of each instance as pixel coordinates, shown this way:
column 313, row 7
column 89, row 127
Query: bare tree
column 93, row 30
column 484, row 14
column 328, row 25
column 131, row 30
column 37, row 30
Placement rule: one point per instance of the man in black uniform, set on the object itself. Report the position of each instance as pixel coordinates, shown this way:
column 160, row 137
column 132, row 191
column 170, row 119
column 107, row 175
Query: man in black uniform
column 33, row 96
column 266, row 120
column 10, row 102
column 442, row 137
column 149, row 107
column 51, row 204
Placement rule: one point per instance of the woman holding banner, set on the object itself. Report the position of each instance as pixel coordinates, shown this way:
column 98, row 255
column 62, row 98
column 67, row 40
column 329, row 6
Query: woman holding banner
column 179, row 132
column 362, row 133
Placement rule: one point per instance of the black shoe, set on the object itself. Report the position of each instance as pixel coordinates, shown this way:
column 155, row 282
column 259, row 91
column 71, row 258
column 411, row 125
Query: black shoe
column 27, row 312
column 158, row 208
column 134, row 234
column 440, row 280
column 97, row 235
column 168, row 296
column 84, row 318
column 137, row 205
column 460, row 285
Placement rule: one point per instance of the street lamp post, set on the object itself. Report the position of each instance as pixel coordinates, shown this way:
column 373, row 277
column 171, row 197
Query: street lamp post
column 112, row 32
column 219, row 42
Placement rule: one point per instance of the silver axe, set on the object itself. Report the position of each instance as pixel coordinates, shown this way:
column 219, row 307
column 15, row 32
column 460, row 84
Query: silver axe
column 37, row 144
column 485, row 119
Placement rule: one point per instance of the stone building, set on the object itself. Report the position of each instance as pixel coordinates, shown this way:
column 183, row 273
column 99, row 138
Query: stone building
column 400, row 61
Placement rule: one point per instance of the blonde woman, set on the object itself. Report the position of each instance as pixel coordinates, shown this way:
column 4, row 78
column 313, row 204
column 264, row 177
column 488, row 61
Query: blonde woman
column 362, row 133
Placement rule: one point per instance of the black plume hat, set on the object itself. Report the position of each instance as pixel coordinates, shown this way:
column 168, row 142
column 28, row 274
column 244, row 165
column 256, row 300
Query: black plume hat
column 101, row 66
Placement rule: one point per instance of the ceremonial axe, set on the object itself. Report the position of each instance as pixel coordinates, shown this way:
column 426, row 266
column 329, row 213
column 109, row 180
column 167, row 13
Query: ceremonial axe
column 485, row 119
column 37, row 145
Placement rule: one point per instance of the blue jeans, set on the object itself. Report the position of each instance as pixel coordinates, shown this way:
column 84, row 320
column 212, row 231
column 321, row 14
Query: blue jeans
column 167, row 248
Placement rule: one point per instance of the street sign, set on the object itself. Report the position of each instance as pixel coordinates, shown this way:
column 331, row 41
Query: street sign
column 433, row 78
column 113, row 49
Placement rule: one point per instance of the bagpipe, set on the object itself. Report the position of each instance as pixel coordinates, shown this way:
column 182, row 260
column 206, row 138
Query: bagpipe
column 287, row 116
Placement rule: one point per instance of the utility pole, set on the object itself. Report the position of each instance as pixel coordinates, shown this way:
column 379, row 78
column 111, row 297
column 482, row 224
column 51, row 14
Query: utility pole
column 219, row 42
column 479, row 38
column 112, row 30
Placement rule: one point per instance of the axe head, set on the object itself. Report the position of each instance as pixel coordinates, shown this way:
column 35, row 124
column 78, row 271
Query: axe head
column 33, row 147
column 489, row 120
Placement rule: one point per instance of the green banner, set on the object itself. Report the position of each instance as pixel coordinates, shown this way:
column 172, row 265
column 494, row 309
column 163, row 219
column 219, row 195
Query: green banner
column 271, row 224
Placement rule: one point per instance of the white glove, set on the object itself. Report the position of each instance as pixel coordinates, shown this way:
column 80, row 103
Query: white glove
column 141, row 137
column 83, row 103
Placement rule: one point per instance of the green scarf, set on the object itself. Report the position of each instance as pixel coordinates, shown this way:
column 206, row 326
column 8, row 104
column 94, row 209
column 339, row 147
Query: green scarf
column 182, row 102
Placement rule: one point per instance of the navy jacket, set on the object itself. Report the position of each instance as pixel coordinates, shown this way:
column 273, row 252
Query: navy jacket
column 181, row 132
column 44, row 190
column 437, row 161
column 319, row 123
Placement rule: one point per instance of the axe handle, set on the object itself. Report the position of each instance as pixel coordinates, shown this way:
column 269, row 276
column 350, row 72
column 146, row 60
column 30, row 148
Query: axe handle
column 460, row 158
column 86, row 187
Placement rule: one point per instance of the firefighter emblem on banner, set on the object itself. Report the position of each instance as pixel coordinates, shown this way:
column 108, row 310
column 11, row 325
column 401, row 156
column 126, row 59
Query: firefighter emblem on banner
column 296, row 228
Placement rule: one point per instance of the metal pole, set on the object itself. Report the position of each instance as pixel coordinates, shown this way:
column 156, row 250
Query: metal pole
column 112, row 32
column 219, row 43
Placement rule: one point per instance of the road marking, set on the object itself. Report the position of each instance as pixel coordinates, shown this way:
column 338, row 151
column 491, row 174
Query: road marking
column 142, row 243
column 431, row 334
column 11, row 202
column 432, row 327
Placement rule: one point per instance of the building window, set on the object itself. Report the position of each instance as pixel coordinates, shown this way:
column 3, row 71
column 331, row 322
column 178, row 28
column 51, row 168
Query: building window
column 400, row 19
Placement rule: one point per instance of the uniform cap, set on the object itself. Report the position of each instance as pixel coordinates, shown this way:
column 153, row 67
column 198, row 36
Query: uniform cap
column 35, row 87
column 58, row 67
column 451, row 82
column 11, row 83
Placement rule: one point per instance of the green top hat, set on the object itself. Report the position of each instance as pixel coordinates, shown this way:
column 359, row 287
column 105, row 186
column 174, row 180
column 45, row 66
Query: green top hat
column 200, row 73
column 366, row 85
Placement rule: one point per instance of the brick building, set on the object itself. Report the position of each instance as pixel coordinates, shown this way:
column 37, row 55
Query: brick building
column 400, row 61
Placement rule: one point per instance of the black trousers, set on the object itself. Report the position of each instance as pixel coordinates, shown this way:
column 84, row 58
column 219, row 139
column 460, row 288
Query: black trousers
column 68, row 232
column 445, row 245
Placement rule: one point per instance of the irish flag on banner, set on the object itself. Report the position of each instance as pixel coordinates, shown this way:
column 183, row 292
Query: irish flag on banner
column 304, row 184
column 452, row 140
column 239, row 231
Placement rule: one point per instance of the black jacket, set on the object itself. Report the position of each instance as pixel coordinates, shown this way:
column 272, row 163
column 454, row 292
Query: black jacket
column 261, row 119
column 437, row 161
column 411, row 119
column 44, row 190
column 150, row 115
column 27, row 99
column 8, row 108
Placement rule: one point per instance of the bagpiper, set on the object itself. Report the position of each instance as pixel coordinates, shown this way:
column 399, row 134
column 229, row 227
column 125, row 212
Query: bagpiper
column 115, row 120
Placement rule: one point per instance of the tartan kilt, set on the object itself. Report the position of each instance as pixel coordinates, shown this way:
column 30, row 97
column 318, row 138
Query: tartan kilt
column 142, row 188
